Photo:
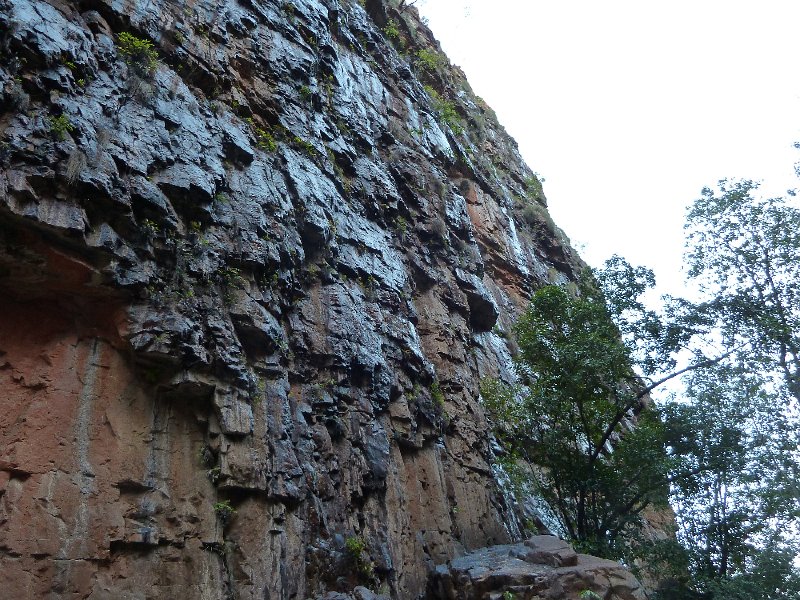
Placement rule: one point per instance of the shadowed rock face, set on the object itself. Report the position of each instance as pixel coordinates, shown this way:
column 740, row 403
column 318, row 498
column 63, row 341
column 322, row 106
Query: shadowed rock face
column 231, row 289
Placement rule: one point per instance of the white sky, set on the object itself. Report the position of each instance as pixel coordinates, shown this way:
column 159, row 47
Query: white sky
column 629, row 107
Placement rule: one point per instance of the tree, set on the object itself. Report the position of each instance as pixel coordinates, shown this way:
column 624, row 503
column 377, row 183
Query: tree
column 726, row 450
column 744, row 251
column 734, row 446
column 578, row 393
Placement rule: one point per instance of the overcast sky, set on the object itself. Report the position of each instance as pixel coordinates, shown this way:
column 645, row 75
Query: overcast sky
column 628, row 108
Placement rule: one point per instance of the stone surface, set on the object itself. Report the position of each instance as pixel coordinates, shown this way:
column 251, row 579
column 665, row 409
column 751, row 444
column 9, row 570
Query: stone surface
column 544, row 567
column 232, row 284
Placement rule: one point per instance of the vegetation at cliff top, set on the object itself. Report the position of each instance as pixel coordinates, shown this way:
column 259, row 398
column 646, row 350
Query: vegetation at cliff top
column 579, row 429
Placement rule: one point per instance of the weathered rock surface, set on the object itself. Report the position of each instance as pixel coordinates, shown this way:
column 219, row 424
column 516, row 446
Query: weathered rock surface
column 246, row 300
column 542, row 568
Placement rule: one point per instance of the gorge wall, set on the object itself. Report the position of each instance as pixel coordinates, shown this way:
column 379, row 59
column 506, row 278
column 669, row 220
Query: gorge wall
column 247, row 295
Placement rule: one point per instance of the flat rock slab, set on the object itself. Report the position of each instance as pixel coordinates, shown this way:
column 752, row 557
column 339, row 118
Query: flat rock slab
column 541, row 568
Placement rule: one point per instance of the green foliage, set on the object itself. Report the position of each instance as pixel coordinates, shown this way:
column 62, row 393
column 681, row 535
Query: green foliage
column 355, row 546
column 214, row 475
column 139, row 54
column 402, row 226
column 150, row 228
column 770, row 575
column 734, row 446
column 533, row 186
column 356, row 549
column 437, row 395
column 430, row 61
column 446, row 110
column 224, row 511
column 264, row 139
column 733, row 436
column 579, row 396
column 60, row 126
column 744, row 251
column 230, row 279
column 392, row 30
column 304, row 145
column 537, row 217
column 652, row 339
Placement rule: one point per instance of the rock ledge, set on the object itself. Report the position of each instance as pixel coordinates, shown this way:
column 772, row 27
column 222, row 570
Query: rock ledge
column 541, row 568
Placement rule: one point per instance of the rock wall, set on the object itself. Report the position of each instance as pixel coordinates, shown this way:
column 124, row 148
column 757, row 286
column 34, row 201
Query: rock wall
column 247, row 294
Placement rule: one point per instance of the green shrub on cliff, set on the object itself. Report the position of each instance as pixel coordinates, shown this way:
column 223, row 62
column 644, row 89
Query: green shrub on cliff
column 224, row 511
column 446, row 110
column 60, row 126
column 139, row 54
column 430, row 61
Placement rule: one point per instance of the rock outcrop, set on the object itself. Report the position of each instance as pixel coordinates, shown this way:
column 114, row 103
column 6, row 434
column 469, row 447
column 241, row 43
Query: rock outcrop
column 542, row 568
column 255, row 257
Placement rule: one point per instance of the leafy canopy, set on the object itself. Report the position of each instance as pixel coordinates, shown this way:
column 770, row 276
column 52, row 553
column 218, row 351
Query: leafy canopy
column 744, row 251
column 578, row 394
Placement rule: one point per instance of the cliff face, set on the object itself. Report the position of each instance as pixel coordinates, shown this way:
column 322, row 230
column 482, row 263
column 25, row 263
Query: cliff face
column 247, row 294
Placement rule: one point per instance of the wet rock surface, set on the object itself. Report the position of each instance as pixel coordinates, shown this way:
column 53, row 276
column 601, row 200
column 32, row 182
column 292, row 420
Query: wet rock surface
column 543, row 567
column 247, row 294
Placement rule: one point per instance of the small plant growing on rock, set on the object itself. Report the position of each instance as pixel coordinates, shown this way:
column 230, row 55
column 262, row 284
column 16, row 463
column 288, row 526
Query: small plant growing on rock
column 392, row 30
column 231, row 279
column 402, row 227
column 264, row 139
column 446, row 110
column 224, row 511
column 60, row 126
column 305, row 145
column 537, row 216
column 356, row 547
column 437, row 395
column 138, row 54
column 430, row 61
column 150, row 228
column 588, row 595
column 214, row 475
